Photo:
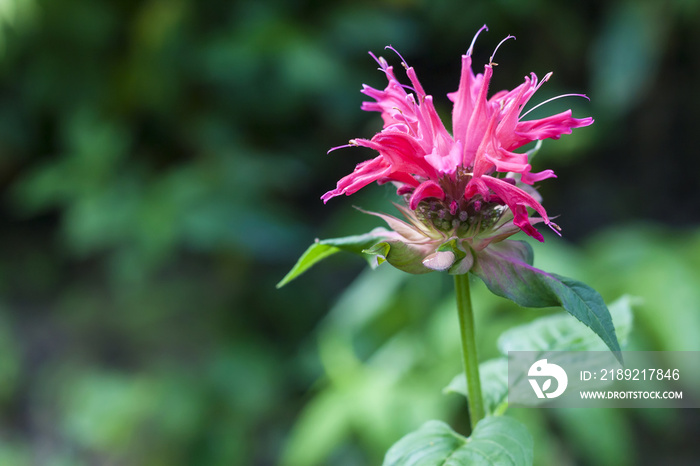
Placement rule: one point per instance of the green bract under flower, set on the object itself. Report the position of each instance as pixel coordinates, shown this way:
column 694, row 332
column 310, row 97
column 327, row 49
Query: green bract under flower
column 433, row 238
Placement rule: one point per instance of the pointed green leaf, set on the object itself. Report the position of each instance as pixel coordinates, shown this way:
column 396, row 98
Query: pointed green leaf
column 561, row 333
column 322, row 249
column 506, row 270
column 546, row 334
column 495, row 441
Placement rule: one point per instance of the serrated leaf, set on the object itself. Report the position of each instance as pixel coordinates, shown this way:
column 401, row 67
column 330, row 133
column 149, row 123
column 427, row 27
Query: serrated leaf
column 506, row 270
column 561, row 333
column 545, row 334
column 322, row 249
column 494, row 441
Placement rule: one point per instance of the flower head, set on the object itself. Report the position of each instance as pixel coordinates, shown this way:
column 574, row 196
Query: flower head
column 470, row 185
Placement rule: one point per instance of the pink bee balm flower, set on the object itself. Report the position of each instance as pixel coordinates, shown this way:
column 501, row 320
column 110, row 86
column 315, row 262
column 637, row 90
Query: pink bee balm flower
column 470, row 184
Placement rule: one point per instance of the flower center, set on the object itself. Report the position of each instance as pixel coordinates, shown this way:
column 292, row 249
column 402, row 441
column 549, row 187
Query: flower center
column 459, row 217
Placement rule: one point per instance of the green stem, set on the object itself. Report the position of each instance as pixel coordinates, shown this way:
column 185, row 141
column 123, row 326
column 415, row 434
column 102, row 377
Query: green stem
column 471, row 362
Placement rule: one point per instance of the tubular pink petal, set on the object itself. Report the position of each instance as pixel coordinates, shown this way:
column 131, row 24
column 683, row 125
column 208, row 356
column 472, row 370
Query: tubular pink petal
column 474, row 187
column 478, row 120
column 551, row 127
column 429, row 134
column 401, row 151
column 411, row 73
column 512, row 104
column 405, row 178
column 506, row 161
column 425, row 190
column 512, row 195
column 488, row 145
column 515, row 198
column 446, row 164
column 462, row 99
column 391, row 102
column 531, row 178
column 364, row 174
column 505, row 166
column 522, row 221
column 403, row 190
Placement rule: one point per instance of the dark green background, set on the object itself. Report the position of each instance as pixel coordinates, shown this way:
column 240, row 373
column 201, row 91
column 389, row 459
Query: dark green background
column 161, row 165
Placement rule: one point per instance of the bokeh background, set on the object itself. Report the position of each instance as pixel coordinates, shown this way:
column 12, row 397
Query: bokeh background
column 161, row 163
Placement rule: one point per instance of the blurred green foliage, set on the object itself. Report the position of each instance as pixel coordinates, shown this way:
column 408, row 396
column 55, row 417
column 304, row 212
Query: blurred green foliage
column 428, row 363
column 161, row 163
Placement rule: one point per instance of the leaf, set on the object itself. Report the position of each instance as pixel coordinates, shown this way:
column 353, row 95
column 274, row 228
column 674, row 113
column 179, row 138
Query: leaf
column 561, row 333
column 495, row 441
column 506, row 270
column 546, row 334
column 322, row 249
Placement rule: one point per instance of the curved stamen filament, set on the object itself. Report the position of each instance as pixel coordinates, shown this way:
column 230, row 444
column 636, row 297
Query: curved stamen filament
column 406, row 86
column 544, row 80
column 381, row 61
column 496, row 49
column 471, row 47
column 403, row 62
column 553, row 98
column 341, row 147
